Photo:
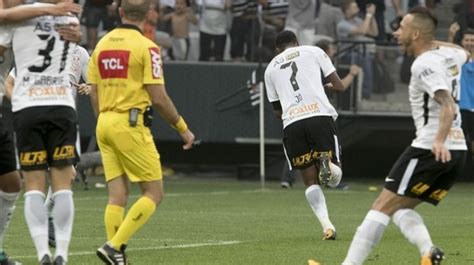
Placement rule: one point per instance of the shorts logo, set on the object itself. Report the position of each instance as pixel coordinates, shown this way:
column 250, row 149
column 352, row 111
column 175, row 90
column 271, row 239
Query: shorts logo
column 33, row 158
column 438, row 194
column 155, row 62
column 308, row 158
column 64, row 152
column 420, row 188
column 113, row 64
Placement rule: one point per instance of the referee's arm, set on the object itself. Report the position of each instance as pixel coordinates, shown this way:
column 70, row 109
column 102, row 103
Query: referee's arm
column 163, row 104
column 94, row 99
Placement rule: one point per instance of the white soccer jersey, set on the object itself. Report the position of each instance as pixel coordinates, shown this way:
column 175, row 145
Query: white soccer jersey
column 434, row 70
column 293, row 77
column 42, row 59
column 77, row 69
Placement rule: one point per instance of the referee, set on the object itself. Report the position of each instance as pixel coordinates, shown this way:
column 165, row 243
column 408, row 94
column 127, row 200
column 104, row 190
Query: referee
column 126, row 75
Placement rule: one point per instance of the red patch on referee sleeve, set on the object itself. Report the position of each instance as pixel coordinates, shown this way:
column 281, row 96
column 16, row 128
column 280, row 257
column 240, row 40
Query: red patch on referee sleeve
column 113, row 64
column 155, row 62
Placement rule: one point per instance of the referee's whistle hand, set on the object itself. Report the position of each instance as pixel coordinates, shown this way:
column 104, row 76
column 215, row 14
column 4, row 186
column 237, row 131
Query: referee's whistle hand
column 188, row 139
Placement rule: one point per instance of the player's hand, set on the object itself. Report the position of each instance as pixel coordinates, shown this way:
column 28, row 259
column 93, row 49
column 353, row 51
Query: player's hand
column 440, row 152
column 64, row 9
column 83, row 89
column 354, row 70
column 188, row 139
column 71, row 32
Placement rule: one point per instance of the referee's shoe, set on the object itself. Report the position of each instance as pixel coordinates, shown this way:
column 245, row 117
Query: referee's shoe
column 109, row 255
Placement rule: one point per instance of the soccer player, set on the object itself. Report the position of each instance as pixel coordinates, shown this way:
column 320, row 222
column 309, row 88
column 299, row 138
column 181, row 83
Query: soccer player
column 45, row 123
column 295, row 88
column 428, row 168
column 126, row 76
column 77, row 73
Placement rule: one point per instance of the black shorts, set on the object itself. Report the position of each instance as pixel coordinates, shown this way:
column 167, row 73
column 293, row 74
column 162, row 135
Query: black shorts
column 46, row 136
column 7, row 151
column 417, row 174
column 468, row 124
column 306, row 139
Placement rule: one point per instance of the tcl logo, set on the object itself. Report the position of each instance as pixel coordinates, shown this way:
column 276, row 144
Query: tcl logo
column 155, row 62
column 113, row 64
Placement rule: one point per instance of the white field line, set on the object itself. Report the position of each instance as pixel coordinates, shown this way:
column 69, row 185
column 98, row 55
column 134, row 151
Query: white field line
column 194, row 245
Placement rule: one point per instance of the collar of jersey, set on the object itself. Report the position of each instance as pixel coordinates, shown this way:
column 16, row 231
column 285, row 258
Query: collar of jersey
column 130, row 26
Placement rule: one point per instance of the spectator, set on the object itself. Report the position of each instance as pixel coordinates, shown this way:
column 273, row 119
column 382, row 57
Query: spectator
column 96, row 11
column 180, row 19
column 301, row 19
column 326, row 23
column 466, row 103
column 213, row 27
column 151, row 23
column 379, row 16
column 353, row 28
column 464, row 19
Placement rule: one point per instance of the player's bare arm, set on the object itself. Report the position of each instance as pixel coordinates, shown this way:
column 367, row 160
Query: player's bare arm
column 9, row 84
column 277, row 109
column 23, row 12
column 163, row 104
column 94, row 99
column 336, row 82
column 446, row 117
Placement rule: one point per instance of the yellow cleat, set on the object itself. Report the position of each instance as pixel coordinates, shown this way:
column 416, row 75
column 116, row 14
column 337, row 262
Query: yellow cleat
column 313, row 262
column 329, row 235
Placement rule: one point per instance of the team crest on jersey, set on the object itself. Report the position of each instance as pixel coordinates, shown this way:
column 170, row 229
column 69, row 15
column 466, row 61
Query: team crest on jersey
column 453, row 70
column 155, row 62
column 113, row 64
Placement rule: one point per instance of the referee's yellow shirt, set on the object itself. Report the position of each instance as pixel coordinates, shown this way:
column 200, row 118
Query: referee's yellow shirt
column 123, row 62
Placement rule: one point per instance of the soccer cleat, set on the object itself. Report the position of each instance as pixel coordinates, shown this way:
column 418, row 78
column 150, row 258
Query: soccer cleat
column 435, row 257
column 286, row 184
column 111, row 256
column 51, row 235
column 59, row 261
column 46, row 260
column 5, row 260
column 329, row 234
column 324, row 169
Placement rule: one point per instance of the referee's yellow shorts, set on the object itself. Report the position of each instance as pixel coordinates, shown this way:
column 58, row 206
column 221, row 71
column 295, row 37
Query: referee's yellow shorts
column 127, row 150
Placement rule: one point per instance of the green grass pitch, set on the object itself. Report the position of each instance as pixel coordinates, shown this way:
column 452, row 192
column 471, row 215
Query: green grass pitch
column 224, row 221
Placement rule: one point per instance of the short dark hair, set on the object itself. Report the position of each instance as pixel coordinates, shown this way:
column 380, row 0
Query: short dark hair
column 469, row 31
column 324, row 45
column 284, row 39
column 424, row 20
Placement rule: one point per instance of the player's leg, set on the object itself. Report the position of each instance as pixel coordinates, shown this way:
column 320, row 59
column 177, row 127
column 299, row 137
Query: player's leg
column 139, row 213
column 62, row 155
column 369, row 233
column 10, row 185
column 63, row 210
column 300, row 156
column 317, row 201
column 29, row 125
column 49, row 204
column 36, row 214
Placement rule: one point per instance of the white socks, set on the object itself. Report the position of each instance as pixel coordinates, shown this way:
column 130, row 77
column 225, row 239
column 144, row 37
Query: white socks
column 63, row 216
column 49, row 201
column 368, row 234
column 36, row 216
column 412, row 227
column 315, row 198
column 7, row 206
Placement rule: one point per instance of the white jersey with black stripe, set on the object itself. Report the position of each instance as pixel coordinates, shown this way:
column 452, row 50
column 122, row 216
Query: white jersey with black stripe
column 438, row 69
column 42, row 58
column 293, row 77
